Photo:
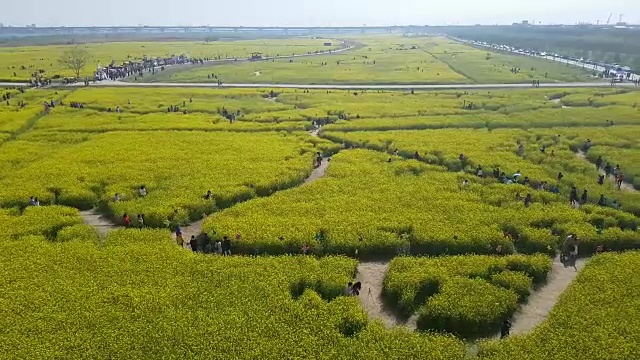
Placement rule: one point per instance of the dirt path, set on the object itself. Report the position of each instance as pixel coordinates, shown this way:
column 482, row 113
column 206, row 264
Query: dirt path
column 544, row 299
column 102, row 225
column 530, row 314
column 625, row 185
column 193, row 229
column 371, row 274
column 321, row 170
column 318, row 172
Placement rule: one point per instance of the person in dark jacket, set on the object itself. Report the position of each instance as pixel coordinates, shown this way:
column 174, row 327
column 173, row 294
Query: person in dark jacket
column 573, row 197
column 226, row 246
column 194, row 243
column 505, row 329
column 599, row 163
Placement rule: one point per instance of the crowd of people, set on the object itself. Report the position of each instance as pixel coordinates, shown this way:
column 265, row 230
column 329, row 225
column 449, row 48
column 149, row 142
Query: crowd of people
column 204, row 244
column 575, row 199
column 76, row 105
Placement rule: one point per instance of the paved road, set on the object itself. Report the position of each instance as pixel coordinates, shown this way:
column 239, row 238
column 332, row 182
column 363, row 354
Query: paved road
column 359, row 87
column 12, row 84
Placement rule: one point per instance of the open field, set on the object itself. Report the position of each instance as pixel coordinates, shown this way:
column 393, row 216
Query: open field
column 23, row 61
column 69, row 288
column 387, row 60
column 489, row 67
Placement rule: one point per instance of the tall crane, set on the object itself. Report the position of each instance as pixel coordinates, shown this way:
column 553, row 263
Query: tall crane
column 609, row 19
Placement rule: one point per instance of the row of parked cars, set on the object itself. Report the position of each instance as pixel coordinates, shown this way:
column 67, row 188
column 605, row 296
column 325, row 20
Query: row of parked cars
column 611, row 70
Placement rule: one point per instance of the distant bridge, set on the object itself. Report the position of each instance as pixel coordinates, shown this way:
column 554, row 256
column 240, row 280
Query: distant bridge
column 289, row 30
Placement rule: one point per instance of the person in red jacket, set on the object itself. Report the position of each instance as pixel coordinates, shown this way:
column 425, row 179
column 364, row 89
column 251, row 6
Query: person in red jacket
column 126, row 220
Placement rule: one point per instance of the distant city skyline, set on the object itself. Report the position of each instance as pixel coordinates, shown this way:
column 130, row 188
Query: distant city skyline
column 314, row 13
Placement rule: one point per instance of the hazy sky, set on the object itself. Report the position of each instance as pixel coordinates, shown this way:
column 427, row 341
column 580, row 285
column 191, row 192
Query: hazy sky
column 311, row 13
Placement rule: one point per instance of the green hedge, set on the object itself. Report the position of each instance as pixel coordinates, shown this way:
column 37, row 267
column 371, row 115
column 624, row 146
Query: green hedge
column 467, row 308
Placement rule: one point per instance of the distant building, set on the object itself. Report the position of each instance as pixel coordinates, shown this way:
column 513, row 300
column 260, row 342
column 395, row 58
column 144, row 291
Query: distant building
column 327, row 44
column 525, row 22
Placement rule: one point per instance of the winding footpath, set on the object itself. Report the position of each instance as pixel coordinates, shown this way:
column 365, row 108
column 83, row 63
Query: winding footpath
column 625, row 185
column 320, row 171
column 371, row 275
column 103, row 225
column 96, row 220
column 541, row 301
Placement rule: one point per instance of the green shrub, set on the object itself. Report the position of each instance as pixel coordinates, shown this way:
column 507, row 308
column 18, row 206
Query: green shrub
column 518, row 282
column 467, row 308
column 80, row 232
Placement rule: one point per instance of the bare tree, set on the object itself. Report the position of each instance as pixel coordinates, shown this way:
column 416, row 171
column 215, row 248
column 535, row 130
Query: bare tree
column 74, row 59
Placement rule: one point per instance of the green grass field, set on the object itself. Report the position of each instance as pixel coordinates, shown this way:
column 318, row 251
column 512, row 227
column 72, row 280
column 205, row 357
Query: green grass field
column 23, row 61
column 457, row 257
column 388, row 60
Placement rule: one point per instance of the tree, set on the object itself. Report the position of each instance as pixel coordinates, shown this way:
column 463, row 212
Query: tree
column 74, row 59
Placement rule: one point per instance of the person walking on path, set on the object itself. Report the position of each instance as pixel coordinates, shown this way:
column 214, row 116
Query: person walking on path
column 180, row 240
column 226, row 246
column 608, row 169
column 505, row 329
column 355, row 289
column 602, row 201
column 573, row 197
column 126, row 220
column 521, row 150
column 619, row 180
column 193, row 243
column 570, row 251
column 205, row 240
